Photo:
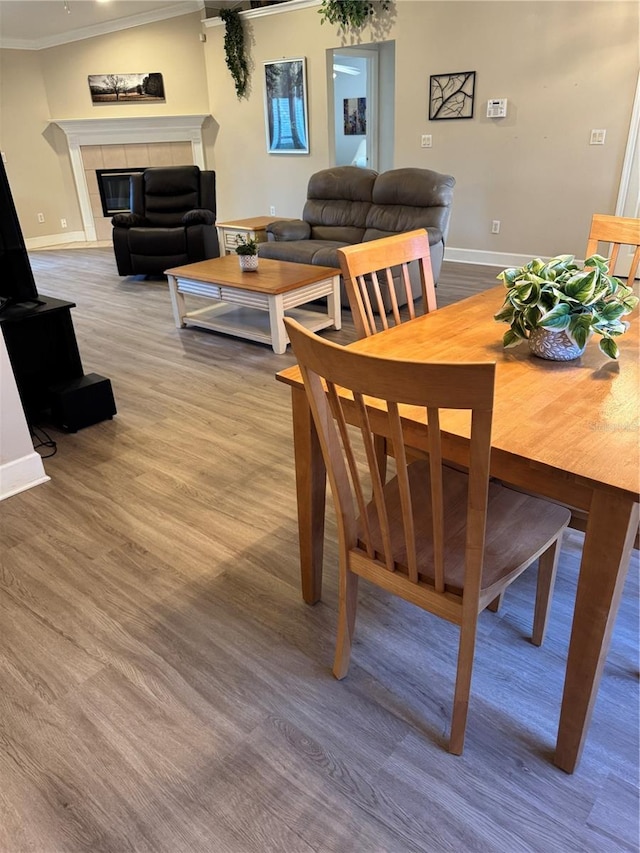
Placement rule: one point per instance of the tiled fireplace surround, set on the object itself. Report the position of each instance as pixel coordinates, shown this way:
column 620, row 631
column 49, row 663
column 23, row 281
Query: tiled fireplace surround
column 124, row 143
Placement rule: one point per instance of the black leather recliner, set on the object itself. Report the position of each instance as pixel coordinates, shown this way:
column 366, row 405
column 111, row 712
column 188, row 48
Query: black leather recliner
column 172, row 221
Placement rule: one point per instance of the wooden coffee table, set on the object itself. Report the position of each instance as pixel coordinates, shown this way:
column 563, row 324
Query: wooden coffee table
column 252, row 305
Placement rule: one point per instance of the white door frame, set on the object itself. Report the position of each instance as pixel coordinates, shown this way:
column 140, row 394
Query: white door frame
column 371, row 55
column 628, row 193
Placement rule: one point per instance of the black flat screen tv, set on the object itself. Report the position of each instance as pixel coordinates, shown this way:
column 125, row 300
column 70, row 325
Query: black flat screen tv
column 17, row 285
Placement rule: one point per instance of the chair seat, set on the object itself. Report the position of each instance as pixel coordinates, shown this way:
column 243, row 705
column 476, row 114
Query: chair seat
column 158, row 241
column 509, row 544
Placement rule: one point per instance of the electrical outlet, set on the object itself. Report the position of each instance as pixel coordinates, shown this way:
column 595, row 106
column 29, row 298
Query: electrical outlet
column 272, row 210
column 597, row 137
column 63, row 223
column 426, row 140
column 41, row 217
column 495, row 226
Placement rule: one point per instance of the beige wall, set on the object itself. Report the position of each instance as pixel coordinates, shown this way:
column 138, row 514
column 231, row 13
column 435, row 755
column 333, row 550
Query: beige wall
column 566, row 67
column 38, row 167
column 37, row 86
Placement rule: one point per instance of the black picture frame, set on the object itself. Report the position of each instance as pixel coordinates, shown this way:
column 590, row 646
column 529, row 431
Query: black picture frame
column 126, row 88
column 451, row 96
column 355, row 116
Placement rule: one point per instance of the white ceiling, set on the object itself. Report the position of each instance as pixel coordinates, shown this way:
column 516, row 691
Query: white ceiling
column 35, row 24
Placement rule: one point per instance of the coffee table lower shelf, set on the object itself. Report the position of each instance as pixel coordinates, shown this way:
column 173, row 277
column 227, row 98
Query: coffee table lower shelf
column 251, row 323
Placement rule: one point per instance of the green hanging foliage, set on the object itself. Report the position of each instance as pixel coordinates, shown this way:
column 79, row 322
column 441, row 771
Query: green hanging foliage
column 234, row 49
column 350, row 14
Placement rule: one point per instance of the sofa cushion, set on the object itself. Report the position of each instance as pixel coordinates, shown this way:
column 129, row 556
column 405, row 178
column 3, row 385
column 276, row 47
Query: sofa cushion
column 157, row 241
column 406, row 199
column 338, row 201
column 319, row 252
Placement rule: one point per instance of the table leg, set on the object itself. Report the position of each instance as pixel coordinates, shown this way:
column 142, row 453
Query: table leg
column 611, row 530
column 177, row 302
column 311, row 493
column 279, row 337
column 334, row 308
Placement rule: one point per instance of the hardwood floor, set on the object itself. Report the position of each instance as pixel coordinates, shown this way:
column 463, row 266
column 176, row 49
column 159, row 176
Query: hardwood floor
column 163, row 687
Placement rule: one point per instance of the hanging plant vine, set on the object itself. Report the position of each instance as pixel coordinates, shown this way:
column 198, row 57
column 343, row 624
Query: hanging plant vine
column 350, row 14
column 234, row 49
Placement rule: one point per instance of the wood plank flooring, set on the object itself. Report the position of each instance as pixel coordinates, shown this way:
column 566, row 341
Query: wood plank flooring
column 163, row 688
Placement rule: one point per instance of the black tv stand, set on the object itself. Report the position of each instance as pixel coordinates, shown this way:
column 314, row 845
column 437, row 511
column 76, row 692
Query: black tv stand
column 42, row 348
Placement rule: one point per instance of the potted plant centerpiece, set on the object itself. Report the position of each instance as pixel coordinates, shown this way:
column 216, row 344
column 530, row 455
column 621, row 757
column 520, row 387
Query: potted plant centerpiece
column 558, row 305
column 247, row 251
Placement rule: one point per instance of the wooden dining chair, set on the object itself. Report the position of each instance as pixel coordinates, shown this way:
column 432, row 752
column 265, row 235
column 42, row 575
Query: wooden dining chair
column 368, row 273
column 443, row 539
column 617, row 231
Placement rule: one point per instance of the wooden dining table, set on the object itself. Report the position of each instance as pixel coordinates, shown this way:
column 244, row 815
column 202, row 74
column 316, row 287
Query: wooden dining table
column 568, row 431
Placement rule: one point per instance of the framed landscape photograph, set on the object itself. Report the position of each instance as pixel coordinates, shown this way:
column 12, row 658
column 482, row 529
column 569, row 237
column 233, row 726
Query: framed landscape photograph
column 285, row 106
column 126, row 88
column 355, row 116
column 451, row 95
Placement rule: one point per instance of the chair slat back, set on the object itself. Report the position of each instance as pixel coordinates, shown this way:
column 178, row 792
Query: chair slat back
column 617, row 231
column 351, row 395
column 368, row 272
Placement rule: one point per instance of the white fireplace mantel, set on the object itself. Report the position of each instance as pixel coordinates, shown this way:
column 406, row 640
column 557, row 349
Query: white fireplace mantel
column 122, row 131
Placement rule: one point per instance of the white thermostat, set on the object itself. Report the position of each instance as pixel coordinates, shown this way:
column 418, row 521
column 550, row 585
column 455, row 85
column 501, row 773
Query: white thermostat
column 497, row 108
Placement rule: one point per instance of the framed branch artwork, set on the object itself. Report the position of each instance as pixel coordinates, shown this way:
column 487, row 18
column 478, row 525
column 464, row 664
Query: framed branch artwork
column 285, row 106
column 451, row 95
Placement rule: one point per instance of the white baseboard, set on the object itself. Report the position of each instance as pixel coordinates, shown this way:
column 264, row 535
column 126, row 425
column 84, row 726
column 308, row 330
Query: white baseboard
column 491, row 259
column 55, row 240
column 18, row 475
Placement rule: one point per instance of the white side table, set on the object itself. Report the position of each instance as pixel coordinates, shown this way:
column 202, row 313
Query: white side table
column 254, row 228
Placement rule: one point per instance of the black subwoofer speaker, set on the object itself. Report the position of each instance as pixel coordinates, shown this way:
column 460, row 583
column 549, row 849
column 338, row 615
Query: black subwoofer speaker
column 82, row 402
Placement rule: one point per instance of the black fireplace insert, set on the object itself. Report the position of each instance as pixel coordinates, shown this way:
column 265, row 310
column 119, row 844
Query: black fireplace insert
column 114, row 189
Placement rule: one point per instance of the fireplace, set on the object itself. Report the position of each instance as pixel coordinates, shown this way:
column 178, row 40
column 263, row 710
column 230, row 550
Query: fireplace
column 166, row 136
column 114, row 189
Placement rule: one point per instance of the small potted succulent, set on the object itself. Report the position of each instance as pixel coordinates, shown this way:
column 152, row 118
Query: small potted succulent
column 558, row 305
column 247, row 252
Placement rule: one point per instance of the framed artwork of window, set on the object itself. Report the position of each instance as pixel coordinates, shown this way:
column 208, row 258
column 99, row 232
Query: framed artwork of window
column 451, row 95
column 285, row 106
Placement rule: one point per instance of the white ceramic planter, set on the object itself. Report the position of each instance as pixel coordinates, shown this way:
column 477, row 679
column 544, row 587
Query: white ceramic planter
column 248, row 263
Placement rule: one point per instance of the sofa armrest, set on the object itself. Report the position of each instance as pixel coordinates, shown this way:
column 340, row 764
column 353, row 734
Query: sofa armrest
column 289, row 229
column 128, row 220
column 199, row 216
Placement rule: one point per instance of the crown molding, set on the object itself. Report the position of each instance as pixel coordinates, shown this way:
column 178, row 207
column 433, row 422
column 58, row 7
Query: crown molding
column 278, row 9
column 184, row 7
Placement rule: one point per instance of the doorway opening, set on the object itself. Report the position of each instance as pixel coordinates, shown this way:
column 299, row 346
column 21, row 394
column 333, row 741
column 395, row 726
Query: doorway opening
column 361, row 91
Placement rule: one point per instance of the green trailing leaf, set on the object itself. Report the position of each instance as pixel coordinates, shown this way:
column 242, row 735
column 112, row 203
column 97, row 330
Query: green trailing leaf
column 612, row 311
column 511, row 339
column 556, row 319
column 350, row 14
column 234, row 49
column 609, row 347
column 597, row 261
column 580, row 328
column 563, row 296
column 582, row 286
column 505, row 315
